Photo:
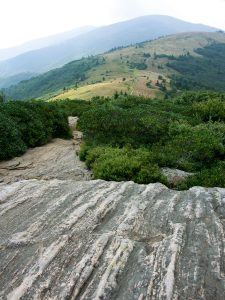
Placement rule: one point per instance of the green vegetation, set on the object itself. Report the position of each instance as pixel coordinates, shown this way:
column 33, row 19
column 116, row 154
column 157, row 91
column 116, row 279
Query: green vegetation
column 122, row 164
column 201, row 72
column 173, row 57
column 131, row 138
column 29, row 124
column 212, row 177
column 128, row 137
column 73, row 108
column 138, row 65
column 69, row 75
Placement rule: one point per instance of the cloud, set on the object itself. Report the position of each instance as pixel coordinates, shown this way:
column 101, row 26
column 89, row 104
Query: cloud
column 129, row 8
column 133, row 8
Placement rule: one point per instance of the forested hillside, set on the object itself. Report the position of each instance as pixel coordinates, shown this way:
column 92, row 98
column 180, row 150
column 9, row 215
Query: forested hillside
column 151, row 69
column 69, row 75
column 97, row 41
column 206, row 71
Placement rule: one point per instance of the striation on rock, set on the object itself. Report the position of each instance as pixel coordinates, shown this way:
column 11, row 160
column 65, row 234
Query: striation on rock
column 109, row 240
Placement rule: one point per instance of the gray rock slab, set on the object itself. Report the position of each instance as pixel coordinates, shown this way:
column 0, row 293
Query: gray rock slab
column 108, row 240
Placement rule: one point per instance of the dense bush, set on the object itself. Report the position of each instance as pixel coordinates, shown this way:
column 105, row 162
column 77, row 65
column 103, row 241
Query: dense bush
column 203, row 71
column 29, row 124
column 211, row 110
column 128, row 120
column 11, row 143
column 138, row 65
column 73, row 107
column 186, row 132
column 191, row 97
column 211, row 177
column 192, row 148
column 123, row 164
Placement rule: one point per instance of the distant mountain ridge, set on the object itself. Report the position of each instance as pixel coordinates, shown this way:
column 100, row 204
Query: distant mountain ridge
column 11, row 52
column 98, row 41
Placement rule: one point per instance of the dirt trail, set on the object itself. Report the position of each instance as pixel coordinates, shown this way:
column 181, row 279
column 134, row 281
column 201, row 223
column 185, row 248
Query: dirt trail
column 56, row 160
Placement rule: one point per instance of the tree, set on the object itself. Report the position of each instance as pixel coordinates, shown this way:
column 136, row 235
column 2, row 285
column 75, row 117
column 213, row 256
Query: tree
column 2, row 97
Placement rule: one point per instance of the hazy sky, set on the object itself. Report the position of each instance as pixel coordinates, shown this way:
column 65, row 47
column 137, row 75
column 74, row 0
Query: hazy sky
column 23, row 20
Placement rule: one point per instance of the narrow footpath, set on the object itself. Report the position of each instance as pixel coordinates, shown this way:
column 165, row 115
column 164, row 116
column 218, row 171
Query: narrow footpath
column 55, row 160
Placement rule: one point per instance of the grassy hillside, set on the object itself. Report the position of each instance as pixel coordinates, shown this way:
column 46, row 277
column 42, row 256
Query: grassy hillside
column 156, row 55
column 143, row 69
column 67, row 76
column 97, row 41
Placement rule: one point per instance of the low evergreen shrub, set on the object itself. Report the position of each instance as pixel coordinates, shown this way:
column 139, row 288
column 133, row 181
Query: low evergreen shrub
column 29, row 124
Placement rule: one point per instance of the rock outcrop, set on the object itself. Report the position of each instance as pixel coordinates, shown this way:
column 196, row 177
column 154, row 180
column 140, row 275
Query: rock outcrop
column 175, row 176
column 108, row 240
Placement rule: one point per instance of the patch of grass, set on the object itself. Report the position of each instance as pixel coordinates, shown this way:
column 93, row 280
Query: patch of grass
column 87, row 92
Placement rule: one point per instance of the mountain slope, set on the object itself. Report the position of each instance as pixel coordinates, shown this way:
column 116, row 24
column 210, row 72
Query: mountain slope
column 144, row 69
column 98, row 41
column 54, row 80
column 42, row 42
column 13, row 80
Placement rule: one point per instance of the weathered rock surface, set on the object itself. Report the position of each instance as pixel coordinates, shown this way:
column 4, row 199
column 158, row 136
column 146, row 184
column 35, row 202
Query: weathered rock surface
column 57, row 159
column 175, row 176
column 108, row 240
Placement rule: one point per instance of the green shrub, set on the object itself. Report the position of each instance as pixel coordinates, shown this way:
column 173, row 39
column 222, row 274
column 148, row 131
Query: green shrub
column 57, row 119
column 123, row 164
column 213, row 177
column 211, row 110
column 33, row 123
column 11, row 143
column 33, row 130
column 73, row 107
column 118, row 126
column 187, row 133
column 192, row 148
column 84, row 151
column 191, row 97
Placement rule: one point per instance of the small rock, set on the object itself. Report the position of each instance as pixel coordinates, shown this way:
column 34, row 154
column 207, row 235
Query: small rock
column 175, row 176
